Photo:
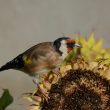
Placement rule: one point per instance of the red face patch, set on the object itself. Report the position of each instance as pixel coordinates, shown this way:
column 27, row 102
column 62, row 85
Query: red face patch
column 70, row 41
column 69, row 49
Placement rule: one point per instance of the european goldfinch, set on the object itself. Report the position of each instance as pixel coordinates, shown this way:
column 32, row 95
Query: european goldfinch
column 42, row 57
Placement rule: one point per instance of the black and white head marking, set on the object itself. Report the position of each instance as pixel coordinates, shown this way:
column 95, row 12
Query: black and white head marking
column 63, row 49
column 60, row 46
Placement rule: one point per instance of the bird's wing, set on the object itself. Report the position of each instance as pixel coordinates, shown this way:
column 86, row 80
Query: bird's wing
column 38, row 50
column 41, row 56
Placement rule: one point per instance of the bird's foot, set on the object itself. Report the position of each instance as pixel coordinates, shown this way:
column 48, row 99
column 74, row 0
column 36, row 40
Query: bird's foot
column 57, row 72
column 41, row 91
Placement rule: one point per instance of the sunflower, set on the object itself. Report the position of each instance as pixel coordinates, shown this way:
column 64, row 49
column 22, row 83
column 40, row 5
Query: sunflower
column 84, row 84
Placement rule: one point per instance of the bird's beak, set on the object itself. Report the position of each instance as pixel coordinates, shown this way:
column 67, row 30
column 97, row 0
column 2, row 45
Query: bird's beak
column 77, row 45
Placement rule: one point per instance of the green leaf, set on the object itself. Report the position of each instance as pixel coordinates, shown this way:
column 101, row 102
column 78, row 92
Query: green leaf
column 6, row 99
column 98, row 46
column 91, row 40
column 74, row 53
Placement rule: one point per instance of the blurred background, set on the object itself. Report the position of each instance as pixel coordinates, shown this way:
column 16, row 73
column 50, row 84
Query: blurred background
column 24, row 23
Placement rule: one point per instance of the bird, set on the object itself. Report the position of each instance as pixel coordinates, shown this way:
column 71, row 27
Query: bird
column 42, row 57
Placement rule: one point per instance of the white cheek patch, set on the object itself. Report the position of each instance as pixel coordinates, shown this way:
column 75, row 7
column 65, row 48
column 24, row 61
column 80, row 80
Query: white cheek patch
column 63, row 49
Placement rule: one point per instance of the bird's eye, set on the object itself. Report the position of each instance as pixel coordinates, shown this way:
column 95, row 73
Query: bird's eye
column 70, row 44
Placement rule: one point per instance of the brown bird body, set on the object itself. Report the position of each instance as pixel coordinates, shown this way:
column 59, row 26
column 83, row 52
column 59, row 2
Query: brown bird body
column 41, row 58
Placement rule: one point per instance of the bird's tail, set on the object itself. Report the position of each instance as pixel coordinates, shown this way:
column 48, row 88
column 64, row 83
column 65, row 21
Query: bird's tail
column 16, row 63
column 6, row 66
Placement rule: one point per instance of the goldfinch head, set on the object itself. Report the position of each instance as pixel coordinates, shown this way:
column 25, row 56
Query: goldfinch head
column 65, row 45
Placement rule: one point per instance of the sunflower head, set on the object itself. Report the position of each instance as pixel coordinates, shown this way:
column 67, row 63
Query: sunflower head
column 85, row 81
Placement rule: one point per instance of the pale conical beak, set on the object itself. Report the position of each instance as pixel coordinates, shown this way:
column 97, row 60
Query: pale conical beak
column 77, row 45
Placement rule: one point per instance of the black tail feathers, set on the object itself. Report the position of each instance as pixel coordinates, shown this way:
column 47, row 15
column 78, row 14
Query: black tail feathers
column 16, row 63
column 5, row 67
